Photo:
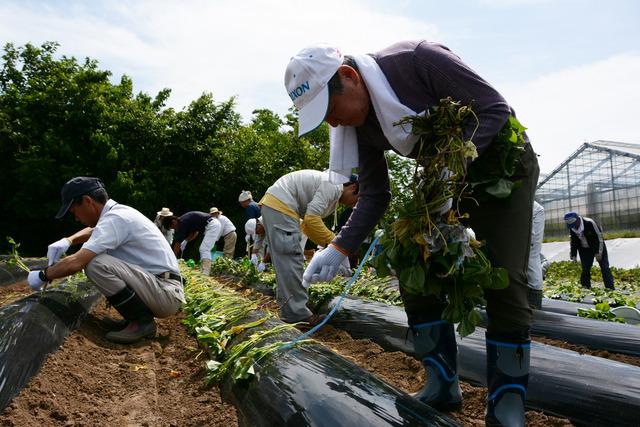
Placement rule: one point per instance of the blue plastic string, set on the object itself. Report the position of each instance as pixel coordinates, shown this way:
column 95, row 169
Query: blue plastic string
column 337, row 306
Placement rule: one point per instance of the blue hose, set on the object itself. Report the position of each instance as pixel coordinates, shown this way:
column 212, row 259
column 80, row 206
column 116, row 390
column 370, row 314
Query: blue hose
column 337, row 306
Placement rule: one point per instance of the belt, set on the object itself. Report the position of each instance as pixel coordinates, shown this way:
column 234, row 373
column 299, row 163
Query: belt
column 169, row 275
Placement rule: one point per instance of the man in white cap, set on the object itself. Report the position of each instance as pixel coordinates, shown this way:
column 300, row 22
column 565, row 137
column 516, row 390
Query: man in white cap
column 228, row 232
column 124, row 255
column 158, row 221
column 251, row 208
column 296, row 203
column 362, row 97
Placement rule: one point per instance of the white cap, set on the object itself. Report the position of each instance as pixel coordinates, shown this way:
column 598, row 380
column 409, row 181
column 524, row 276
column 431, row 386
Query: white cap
column 244, row 196
column 250, row 227
column 306, row 81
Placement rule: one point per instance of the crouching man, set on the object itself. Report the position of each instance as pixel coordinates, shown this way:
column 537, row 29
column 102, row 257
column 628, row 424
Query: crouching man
column 123, row 253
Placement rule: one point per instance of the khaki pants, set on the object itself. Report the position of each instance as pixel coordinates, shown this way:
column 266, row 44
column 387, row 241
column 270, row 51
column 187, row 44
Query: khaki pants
column 230, row 244
column 283, row 237
column 111, row 275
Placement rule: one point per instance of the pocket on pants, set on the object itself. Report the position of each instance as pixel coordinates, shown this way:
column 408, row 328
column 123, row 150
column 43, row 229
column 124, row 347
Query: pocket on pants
column 285, row 241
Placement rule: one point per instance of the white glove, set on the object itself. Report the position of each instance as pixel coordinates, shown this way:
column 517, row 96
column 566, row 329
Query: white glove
column 323, row 266
column 574, row 259
column 34, row 280
column 247, row 238
column 254, row 259
column 56, row 250
column 345, row 268
column 183, row 245
column 261, row 267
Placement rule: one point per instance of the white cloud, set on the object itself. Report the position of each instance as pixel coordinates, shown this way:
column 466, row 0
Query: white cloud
column 579, row 104
column 225, row 47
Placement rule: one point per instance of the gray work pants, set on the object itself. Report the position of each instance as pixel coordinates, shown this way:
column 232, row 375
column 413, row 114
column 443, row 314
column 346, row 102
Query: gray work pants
column 283, row 237
column 111, row 275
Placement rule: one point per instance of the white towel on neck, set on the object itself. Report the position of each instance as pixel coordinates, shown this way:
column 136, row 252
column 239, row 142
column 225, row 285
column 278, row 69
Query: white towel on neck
column 343, row 152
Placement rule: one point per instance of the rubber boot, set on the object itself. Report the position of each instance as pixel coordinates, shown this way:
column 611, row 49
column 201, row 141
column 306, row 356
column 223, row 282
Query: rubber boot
column 535, row 298
column 507, row 379
column 435, row 344
column 205, row 267
column 140, row 318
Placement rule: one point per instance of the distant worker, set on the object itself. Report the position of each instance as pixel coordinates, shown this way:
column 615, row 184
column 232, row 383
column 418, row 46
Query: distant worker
column 256, row 247
column 534, row 271
column 251, row 208
column 166, row 232
column 188, row 227
column 305, row 195
column 228, row 232
column 123, row 254
column 587, row 240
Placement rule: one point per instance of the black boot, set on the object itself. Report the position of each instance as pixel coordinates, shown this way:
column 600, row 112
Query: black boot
column 507, row 380
column 435, row 344
column 140, row 318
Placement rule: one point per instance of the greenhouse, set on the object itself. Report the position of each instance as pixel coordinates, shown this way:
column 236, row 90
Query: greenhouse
column 600, row 180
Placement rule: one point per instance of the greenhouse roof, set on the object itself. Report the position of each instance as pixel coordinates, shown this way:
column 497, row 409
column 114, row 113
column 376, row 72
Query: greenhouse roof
column 594, row 167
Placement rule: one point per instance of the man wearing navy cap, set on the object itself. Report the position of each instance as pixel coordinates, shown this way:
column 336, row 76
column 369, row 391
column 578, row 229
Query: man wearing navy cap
column 123, row 253
column 587, row 240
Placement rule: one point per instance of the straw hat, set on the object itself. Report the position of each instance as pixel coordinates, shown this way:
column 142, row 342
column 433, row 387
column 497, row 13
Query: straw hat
column 214, row 210
column 165, row 212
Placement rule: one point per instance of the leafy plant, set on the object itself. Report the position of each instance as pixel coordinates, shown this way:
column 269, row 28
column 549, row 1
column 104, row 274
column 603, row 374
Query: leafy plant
column 602, row 311
column 14, row 256
column 427, row 245
column 215, row 314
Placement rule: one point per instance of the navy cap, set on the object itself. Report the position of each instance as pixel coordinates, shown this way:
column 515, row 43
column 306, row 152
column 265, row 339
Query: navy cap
column 571, row 218
column 74, row 188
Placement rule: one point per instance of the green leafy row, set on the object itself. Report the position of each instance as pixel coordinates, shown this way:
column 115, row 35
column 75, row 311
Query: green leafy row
column 216, row 315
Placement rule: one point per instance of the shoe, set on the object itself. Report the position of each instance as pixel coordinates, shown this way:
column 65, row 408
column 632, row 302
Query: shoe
column 134, row 331
column 113, row 324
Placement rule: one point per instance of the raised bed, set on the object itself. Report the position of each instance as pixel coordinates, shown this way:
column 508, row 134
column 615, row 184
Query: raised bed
column 307, row 385
column 585, row 389
column 34, row 327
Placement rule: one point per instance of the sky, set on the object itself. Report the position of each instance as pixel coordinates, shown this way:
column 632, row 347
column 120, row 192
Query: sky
column 569, row 68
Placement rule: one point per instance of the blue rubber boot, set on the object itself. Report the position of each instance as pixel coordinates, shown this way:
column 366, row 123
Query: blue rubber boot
column 435, row 344
column 507, row 379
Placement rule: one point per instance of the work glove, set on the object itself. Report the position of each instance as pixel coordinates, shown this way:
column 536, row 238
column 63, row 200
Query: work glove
column 345, row 268
column 261, row 267
column 254, row 259
column 34, row 280
column 56, row 250
column 183, row 245
column 324, row 265
column 598, row 257
column 574, row 259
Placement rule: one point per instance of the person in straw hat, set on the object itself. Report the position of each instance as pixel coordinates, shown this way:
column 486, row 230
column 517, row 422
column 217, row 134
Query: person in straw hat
column 228, row 232
column 166, row 232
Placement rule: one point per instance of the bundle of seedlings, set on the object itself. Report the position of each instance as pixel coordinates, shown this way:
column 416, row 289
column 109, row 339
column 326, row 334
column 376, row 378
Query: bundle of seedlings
column 428, row 246
column 216, row 315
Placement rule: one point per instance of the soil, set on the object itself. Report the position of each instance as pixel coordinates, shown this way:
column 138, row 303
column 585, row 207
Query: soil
column 160, row 382
column 92, row 382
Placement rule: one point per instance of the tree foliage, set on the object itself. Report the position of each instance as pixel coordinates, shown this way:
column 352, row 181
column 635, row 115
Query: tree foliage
column 60, row 118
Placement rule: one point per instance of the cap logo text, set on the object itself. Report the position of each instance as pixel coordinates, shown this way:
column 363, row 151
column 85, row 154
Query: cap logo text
column 299, row 91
